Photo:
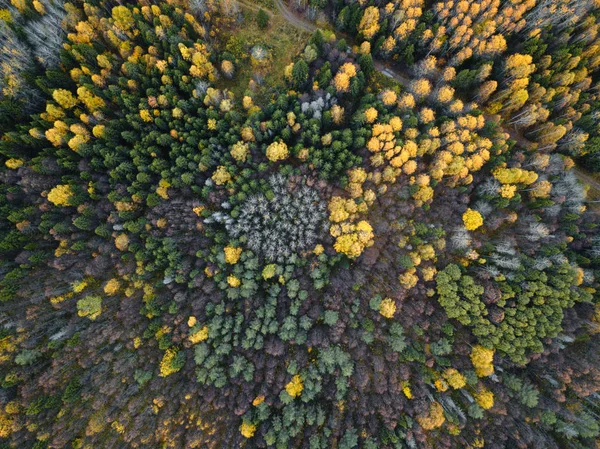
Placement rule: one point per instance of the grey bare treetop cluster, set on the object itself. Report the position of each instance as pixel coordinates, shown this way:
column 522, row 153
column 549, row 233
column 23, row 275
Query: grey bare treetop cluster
column 277, row 226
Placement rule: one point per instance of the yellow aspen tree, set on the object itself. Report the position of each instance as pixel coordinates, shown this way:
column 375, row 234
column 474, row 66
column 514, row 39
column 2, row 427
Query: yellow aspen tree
column 60, row 195
column 406, row 101
column 426, row 115
column 485, row 398
column 482, row 359
column 434, row 418
column 486, row 90
column 232, row 255
column 122, row 17
column 369, row 24
column 239, row 151
column 388, row 97
column 295, row 387
column 227, row 68
column 337, row 113
column 64, row 98
column 247, row 429
column 371, row 115
column 341, row 82
column 420, row 88
column 221, row 175
column 277, row 151
column 472, row 219
column 365, row 48
column 387, row 308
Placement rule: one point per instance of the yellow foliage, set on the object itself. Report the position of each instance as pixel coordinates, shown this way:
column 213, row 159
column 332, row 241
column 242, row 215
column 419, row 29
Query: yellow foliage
column 340, row 209
column 122, row 17
column 485, row 398
column 221, row 175
column 455, row 379
column 358, row 175
column 232, row 255
column 60, row 195
column 227, row 67
column 288, row 70
column 396, row 124
column 233, row 281
column 407, row 101
column 541, row 189
column 449, row 74
column 75, row 142
column 166, row 367
column 456, row 106
column 440, row 385
column 199, row 336
column 371, row 115
column 341, row 82
column 56, row 134
column 408, row 279
column 434, row 419
column 369, row 24
column 337, row 112
column 122, row 242
column 91, row 101
column 247, row 102
column 514, row 175
column 387, row 308
column 13, row 163
column 269, row 271
column 389, row 97
column 472, row 219
column 111, row 287
column 247, row 430
column 424, row 194
column 421, row 87
column 162, row 189
column 98, row 131
column 354, row 239
column 277, row 151
column 295, row 386
column 482, row 359
column 247, row 134
column 145, row 115
column 64, row 98
column 427, row 115
column 429, row 273
column 508, row 191
column 519, row 66
column 239, row 151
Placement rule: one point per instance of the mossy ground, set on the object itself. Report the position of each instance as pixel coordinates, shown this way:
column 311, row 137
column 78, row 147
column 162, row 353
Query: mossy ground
column 281, row 40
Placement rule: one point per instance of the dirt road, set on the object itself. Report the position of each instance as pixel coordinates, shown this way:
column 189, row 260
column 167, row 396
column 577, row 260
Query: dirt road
column 298, row 22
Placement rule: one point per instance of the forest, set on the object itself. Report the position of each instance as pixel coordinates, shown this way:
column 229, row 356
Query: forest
column 310, row 224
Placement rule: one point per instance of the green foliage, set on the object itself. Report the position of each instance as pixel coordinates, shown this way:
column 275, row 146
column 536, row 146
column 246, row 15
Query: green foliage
column 90, row 306
column 262, row 19
column 197, row 227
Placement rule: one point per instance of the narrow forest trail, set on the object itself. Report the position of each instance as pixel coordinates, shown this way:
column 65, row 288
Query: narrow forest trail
column 388, row 71
column 256, row 8
column 587, row 178
column 293, row 19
